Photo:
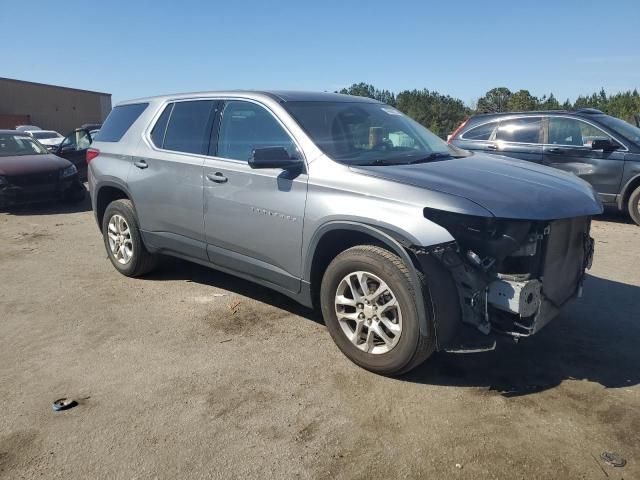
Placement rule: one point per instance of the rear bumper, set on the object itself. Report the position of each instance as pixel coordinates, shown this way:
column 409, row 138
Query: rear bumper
column 13, row 195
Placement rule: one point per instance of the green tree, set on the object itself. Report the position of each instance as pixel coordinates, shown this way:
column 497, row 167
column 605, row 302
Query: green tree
column 522, row 101
column 439, row 113
column 366, row 90
column 495, row 100
column 549, row 103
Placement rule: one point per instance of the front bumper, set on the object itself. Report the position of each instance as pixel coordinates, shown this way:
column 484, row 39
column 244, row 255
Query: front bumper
column 14, row 195
column 519, row 295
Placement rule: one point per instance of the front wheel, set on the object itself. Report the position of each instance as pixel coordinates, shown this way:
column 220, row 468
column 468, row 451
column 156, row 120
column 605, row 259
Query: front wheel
column 634, row 205
column 369, row 306
column 123, row 241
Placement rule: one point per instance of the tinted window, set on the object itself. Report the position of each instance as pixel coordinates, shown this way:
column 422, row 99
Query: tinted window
column 119, row 121
column 157, row 134
column 520, row 130
column 246, row 126
column 189, row 127
column 569, row 131
column 483, row 132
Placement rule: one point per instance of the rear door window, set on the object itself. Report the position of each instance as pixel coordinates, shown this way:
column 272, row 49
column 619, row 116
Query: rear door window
column 480, row 133
column 159, row 129
column 520, row 130
column 189, row 127
column 120, row 120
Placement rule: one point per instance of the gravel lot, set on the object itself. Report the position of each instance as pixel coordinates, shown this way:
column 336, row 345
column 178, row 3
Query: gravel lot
column 192, row 373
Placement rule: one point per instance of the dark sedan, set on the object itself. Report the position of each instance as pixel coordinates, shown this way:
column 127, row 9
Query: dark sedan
column 30, row 173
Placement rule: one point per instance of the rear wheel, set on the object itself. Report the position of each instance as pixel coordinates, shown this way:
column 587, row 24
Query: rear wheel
column 369, row 306
column 634, row 205
column 123, row 241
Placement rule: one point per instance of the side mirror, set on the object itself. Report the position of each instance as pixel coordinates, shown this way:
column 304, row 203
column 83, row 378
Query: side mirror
column 605, row 145
column 273, row 157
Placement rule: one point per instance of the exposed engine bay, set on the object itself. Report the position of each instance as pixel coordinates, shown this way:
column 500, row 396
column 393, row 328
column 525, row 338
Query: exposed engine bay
column 513, row 276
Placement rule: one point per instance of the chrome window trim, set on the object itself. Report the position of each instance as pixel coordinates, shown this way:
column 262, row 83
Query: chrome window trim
column 623, row 149
column 167, row 101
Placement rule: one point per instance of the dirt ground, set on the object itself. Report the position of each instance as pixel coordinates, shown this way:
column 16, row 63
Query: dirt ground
column 190, row 373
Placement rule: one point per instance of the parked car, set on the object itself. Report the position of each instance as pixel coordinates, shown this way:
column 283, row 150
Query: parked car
column 30, row 173
column 27, row 128
column 74, row 148
column 406, row 244
column 603, row 150
column 49, row 138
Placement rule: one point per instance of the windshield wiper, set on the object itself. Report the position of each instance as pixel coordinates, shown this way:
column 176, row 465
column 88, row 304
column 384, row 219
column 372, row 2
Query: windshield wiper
column 428, row 158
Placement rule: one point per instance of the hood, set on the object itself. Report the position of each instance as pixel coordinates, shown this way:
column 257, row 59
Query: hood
column 26, row 164
column 505, row 187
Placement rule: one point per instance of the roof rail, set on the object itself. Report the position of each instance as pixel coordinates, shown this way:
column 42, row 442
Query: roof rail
column 590, row 111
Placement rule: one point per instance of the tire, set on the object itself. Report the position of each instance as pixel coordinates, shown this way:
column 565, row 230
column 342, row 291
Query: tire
column 407, row 349
column 634, row 206
column 133, row 260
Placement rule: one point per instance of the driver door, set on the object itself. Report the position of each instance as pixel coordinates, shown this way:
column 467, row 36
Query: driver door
column 74, row 148
column 253, row 218
column 568, row 148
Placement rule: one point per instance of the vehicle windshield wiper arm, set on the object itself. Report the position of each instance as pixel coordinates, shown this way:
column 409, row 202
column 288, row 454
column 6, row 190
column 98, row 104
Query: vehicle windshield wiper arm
column 428, row 158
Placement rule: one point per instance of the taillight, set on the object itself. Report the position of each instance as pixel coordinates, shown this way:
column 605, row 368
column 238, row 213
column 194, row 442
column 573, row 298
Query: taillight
column 456, row 131
column 91, row 154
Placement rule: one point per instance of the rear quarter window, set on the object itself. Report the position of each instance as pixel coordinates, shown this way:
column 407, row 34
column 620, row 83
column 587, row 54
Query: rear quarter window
column 119, row 121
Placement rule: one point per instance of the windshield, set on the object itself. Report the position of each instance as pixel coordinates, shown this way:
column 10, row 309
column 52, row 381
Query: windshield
column 45, row 135
column 622, row 128
column 13, row 145
column 362, row 133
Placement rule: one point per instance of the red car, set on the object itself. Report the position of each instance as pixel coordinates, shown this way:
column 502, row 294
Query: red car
column 30, row 173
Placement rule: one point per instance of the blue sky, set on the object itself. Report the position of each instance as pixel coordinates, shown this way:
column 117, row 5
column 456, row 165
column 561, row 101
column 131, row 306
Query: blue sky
column 461, row 48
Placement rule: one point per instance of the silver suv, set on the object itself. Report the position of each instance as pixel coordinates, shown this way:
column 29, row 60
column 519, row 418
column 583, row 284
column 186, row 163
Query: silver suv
column 407, row 245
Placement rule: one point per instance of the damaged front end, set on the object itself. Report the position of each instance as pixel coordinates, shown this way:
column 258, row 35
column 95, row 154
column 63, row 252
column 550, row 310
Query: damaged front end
column 512, row 276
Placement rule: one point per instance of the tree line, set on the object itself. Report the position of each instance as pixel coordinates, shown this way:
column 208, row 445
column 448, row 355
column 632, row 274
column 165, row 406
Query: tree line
column 442, row 113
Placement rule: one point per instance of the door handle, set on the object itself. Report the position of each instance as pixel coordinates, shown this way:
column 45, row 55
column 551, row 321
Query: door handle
column 141, row 164
column 555, row 150
column 217, row 177
column 492, row 146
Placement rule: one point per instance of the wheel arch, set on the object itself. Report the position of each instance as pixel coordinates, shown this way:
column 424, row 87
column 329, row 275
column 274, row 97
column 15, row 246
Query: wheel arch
column 106, row 193
column 627, row 190
column 337, row 236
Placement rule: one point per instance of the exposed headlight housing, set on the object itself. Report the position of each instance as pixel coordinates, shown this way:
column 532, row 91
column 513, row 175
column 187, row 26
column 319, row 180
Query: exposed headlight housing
column 68, row 171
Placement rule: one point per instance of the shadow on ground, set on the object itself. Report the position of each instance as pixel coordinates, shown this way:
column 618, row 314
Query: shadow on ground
column 595, row 338
column 614, row 215
column 176, row 269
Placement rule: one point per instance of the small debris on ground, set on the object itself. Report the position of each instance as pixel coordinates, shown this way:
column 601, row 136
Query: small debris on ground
column 613, row 459
column 458, row 465
column 225, row 341
column 63, row 404
column 234, row 307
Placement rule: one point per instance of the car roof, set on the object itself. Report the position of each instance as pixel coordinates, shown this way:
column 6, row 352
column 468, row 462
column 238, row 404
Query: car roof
column 281, row 96
column 582, row 112
column 13, row 132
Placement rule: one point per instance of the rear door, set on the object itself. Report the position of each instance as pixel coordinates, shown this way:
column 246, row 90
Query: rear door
column 253, row 218
column 569, row 148
column 166, row 178
column 520, row 137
